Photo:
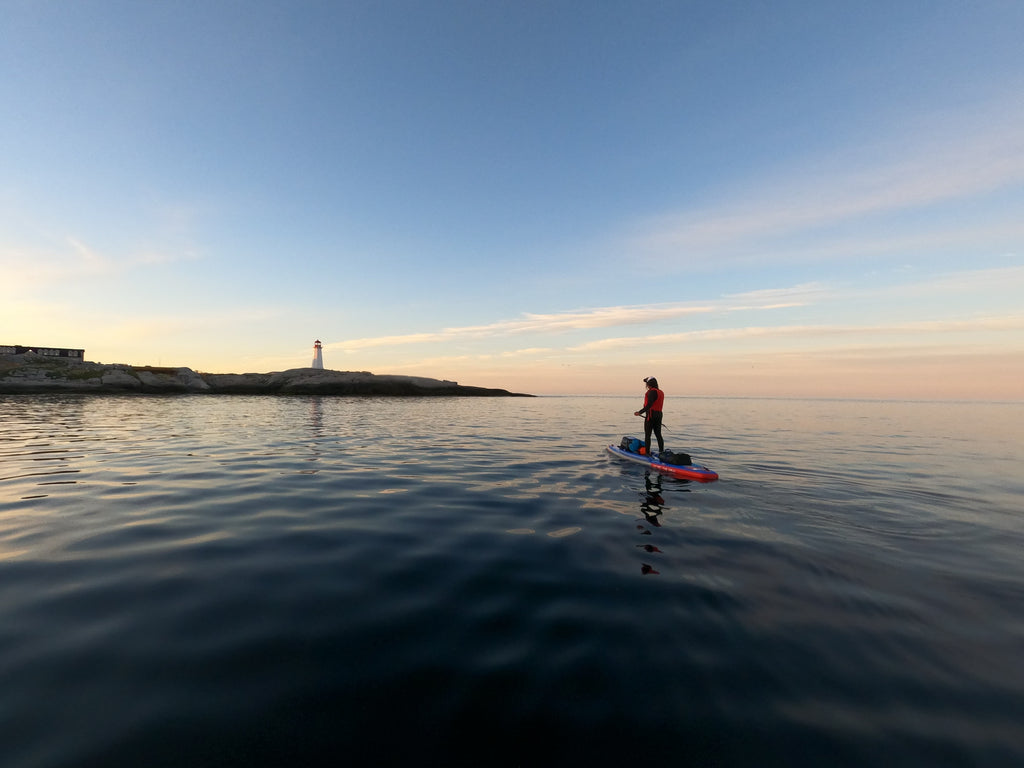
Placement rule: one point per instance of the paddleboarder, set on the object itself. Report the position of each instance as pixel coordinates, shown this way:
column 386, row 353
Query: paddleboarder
column 654, row 401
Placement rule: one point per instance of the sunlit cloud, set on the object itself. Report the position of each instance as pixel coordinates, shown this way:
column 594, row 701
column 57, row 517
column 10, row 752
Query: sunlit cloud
column 603, row 317
column 779, row 298
column 725, row 339
column 935, row 327
column 599, row 317
column 999, row 280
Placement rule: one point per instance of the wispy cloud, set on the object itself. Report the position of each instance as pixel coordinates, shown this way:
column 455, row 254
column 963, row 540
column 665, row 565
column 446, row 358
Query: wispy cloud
column 725, row 343
column 983, row 282
column 598, row 317
column 822, row 299
column 25, row 266
column 1004, row 281
column 931, row 162
column 779, row 298
column 933, row 327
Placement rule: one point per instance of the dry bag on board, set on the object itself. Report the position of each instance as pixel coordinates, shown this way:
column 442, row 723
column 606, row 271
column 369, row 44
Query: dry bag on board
column 676, row 459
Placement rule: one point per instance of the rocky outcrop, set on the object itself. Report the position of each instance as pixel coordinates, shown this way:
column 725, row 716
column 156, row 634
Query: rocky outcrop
column 26, row 374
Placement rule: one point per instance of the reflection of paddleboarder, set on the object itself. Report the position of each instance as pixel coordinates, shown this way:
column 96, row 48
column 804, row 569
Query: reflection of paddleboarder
column 653, row 501
column 654, row 401
column 651, row 509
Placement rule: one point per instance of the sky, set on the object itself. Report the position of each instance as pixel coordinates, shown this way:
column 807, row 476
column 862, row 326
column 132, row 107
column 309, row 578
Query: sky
column 782, row 199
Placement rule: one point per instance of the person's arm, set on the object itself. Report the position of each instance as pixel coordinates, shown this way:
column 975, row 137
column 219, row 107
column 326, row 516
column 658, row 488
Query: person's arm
column 648, row 402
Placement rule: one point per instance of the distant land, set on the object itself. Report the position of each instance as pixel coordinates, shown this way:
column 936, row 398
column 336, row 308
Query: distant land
column 29, row 374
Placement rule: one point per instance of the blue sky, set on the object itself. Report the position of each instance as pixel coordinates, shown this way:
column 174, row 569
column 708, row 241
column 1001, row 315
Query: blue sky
column 742, row 198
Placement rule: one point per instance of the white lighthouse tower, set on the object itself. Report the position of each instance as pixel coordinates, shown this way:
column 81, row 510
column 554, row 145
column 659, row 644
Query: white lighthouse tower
column 318, row 355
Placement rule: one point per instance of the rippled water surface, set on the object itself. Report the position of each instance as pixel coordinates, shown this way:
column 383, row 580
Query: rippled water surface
column 265, row 581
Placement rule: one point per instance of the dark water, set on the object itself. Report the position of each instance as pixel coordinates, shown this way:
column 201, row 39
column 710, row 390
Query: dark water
column 200, row 581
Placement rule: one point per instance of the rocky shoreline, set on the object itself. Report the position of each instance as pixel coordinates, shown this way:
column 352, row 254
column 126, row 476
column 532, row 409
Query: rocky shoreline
column 19, row 375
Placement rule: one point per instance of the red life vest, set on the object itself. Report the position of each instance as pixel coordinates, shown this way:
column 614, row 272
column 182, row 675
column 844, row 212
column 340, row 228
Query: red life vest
column 658, row 403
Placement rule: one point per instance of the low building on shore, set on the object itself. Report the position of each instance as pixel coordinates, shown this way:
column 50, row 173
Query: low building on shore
column 67, row 355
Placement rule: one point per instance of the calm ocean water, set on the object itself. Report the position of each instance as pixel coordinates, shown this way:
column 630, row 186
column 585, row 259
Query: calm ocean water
column 270, row 581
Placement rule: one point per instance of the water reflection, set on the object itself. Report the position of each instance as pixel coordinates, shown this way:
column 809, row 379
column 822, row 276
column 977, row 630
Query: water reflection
column 316, row 415
column 652, row 511
column 316, row 429
column 652, row 506
column 653, row 503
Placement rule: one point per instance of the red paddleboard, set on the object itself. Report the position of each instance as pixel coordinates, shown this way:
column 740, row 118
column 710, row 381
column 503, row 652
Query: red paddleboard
column 687, row 471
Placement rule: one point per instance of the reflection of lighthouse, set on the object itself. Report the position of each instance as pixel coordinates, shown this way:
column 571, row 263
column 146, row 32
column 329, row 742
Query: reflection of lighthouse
column 318, row 355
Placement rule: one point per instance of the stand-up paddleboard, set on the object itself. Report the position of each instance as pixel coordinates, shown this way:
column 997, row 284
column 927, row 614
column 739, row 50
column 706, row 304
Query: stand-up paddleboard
column 688, row 471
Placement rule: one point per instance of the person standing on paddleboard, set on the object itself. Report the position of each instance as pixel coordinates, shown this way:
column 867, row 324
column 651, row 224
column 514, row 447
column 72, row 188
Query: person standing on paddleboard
column 654, row 402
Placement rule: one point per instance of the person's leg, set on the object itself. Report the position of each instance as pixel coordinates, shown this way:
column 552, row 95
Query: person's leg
column 648, row 425
column 656, row 421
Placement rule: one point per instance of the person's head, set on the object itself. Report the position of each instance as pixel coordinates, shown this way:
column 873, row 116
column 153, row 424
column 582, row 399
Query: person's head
column 651, row 382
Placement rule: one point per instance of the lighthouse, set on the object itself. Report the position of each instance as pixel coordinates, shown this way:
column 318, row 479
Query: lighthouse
column 318, row 355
